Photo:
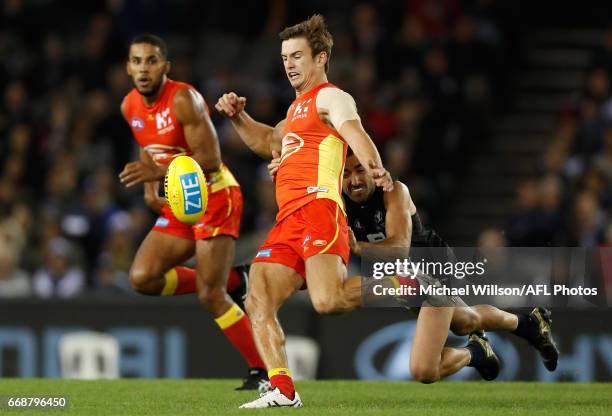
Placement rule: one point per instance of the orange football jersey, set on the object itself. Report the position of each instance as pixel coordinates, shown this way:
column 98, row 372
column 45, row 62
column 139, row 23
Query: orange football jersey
column 312, row 157
column 158, row 131
column 156, row 128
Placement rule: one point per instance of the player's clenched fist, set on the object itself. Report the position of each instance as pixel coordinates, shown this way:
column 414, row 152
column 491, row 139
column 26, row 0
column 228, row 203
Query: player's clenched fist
column 230, row 105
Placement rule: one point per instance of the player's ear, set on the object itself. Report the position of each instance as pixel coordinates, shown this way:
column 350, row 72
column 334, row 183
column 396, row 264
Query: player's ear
column 322, row 58
column 167, row 67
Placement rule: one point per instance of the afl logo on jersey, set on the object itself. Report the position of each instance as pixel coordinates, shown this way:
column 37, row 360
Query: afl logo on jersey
column 137, row 123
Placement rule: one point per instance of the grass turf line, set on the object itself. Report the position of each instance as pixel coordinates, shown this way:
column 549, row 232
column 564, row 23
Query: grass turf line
column 216, row 397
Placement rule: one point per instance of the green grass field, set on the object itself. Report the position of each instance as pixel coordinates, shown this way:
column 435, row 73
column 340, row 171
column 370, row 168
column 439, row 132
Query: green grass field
column 216, row 397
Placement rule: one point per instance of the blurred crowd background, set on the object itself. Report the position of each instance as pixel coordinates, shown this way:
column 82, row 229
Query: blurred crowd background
column 428, row 76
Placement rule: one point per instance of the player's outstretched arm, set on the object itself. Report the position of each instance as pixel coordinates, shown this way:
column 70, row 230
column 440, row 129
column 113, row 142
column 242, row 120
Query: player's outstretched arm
column 338, row 109
column 398, row 221
column 362, row 145
column 200, row 134
column 259, row 137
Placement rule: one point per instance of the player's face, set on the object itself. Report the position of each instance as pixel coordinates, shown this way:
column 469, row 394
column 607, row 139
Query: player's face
column 147, row 67
column 356, row 183
column 300, row 66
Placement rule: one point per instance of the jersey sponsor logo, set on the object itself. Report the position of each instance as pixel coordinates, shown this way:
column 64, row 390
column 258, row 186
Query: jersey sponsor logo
column 162, row 222
column 192, row 193
column 264, row 253
column 313, row 188
column 164, row 121
column 301, row 109
column 291, row 144
column 319, row 243
column 137, row 123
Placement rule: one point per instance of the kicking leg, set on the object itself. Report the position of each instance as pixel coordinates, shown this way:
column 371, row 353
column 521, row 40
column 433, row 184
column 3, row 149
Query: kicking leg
column 330, row 291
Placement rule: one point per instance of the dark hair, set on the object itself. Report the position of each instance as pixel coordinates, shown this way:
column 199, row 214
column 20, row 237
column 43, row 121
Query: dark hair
column 349, row 152
column 152, row 40
column 314, row 30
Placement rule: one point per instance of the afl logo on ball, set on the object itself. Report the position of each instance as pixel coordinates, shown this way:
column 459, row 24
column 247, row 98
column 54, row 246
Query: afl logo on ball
column 137, row 123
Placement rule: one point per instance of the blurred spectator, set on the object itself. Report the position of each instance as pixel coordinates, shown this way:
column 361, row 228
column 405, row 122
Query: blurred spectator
column 13, row 281
column 420, row 73
column 603, row 161
column 113, row 265
column 538, row 218
column 436, row 16
column 491, row 238
column 588, row 221
column 58, row 276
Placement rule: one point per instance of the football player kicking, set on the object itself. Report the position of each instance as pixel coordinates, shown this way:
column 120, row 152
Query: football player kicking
column 170, row 118
column 310, row 237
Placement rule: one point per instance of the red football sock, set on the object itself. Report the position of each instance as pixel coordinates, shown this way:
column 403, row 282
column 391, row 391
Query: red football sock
column 237, row 328
column 281, row 378
column 233, row 281
column 179, row 281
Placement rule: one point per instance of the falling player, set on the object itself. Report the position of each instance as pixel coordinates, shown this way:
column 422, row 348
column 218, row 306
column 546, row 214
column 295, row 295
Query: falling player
column 169, row 118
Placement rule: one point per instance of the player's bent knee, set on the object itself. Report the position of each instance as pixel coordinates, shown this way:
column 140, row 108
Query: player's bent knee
column 258, row 307
column 325, row 305
column 424, row 373
column 144, row 281
column 252, row 306
column 468, row 323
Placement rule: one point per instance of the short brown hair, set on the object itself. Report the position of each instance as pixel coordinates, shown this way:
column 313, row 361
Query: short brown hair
column 314, row 30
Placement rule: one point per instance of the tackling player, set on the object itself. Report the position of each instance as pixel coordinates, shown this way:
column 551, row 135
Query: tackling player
column 310, row 238
column 170, row 118
column 387, row 219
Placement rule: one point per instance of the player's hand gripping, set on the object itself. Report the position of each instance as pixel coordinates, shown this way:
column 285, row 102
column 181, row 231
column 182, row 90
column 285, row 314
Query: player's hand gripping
column 230, row 105
column 141, row 171
column 381, row 177
column 274, row 164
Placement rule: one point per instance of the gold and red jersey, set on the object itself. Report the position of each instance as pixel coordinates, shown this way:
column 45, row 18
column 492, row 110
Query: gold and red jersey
column 158, row 131
column 312, row 157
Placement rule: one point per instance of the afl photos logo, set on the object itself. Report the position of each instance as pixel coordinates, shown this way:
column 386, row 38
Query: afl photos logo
column 291, row 143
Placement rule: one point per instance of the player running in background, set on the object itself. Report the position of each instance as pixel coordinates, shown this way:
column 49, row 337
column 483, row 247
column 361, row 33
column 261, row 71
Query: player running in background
column 170, row 118
column 388, row 219
column 310, row 238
